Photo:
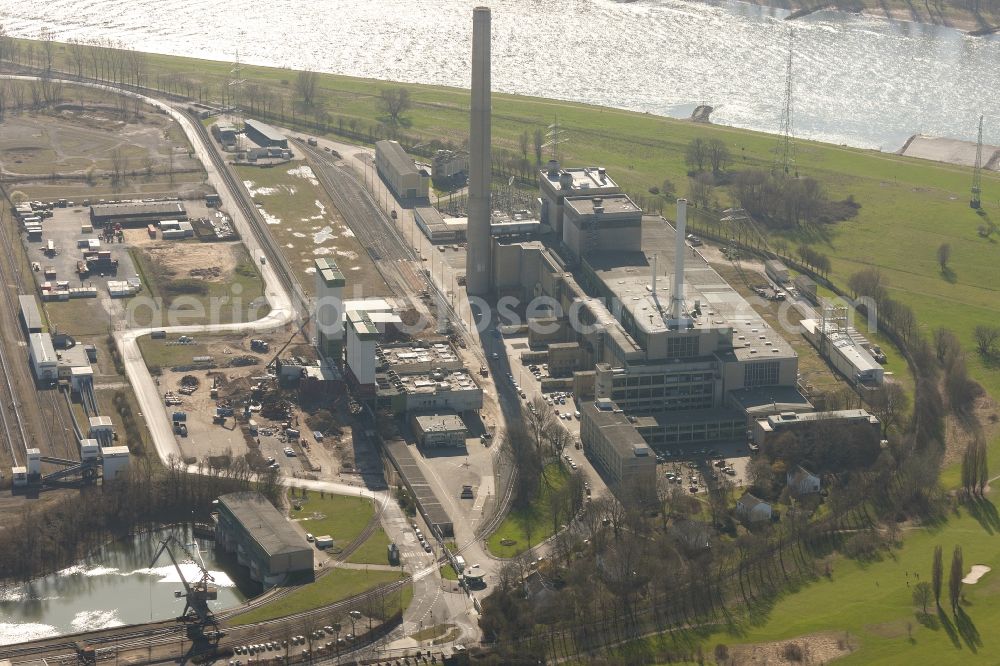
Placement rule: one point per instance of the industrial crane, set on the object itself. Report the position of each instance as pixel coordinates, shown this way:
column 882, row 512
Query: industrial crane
column 197, row 594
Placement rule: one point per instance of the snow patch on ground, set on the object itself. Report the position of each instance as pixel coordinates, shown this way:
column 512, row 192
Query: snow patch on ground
column 304, row 171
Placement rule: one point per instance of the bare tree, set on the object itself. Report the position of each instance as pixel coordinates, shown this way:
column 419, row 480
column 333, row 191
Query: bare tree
column 955, row 578
column 946, row 346
column 695, row 155
column 395, row 102
column 306, row 83
column 889, row 403
column 539, row 141
column 986, row 338
column 943, row 255
column 937, row 574
column 718, row 155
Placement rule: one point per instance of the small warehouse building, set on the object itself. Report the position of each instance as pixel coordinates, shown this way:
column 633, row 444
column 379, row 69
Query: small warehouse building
column 440, row 430
column 777, row 271
column 399, row 171
column 41, row 353
column 136, row 214
column 31, row 318
column 260, row 536
column 264, row 135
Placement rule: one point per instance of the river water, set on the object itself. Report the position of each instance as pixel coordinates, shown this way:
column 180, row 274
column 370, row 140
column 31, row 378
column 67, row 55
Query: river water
column 860, row 81
column 112, row 587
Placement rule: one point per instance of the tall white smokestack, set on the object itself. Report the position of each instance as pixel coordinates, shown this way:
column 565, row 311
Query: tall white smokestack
column 478, row 273
column 680, row 249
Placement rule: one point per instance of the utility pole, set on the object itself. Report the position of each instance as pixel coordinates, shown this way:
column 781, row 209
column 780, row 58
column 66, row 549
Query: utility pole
column 977, row 171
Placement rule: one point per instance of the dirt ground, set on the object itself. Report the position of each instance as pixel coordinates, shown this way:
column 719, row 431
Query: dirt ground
column 80, row 145
column 212, row 262
column 818, row 648
column 957, row 436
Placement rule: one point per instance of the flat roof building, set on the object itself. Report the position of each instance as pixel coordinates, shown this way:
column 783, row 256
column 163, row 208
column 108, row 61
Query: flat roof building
column 404, row 178
column 264, row 135
column 622, row 455
column 330, row 314
column 434, row 430
column 817, row 424
column 606, row 223
column 31, row 317
column 43, row 357
column 556, row 184
column 137, row 213
column 261, row 537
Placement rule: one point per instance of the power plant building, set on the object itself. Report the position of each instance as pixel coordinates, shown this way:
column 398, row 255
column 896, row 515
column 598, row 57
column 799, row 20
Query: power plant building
column 555, row 184
column 620, row 452
column 261, row 537
column 362, row 340
column 405, row 179
column 439, row 430
column 330, row 314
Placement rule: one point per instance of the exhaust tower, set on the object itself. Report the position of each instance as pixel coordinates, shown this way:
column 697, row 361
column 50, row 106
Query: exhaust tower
column 478, row 271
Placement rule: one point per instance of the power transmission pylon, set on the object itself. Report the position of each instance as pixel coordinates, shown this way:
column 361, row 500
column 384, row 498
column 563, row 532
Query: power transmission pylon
column 977, row 171
column 784, row 154
column 236, row 82
column 555, row 136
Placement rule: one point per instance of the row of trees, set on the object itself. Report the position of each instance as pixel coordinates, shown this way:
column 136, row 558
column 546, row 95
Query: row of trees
column 148, row 497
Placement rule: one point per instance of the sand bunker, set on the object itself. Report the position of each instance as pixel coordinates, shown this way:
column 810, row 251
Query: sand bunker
column 975, row 573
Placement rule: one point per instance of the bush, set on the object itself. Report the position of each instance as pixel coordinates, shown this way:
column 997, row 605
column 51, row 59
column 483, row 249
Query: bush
column 792, row 652
column 185, row 286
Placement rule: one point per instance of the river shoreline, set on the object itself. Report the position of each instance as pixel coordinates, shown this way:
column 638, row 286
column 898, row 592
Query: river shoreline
column 953, row 17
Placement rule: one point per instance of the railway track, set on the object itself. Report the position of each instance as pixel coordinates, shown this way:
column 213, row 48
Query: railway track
column 254, row 219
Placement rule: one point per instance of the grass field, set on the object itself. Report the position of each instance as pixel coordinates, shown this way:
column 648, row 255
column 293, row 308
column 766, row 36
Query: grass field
column 375, row 550
column 530, row 526
column 872, row 602
column 306, row 225
column 338, row 516
column 333, row 586
column 448, row 572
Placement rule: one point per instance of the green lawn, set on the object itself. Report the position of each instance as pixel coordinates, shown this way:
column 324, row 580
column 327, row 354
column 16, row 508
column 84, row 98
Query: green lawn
column 375, row 550
column 339, row 516
column 333, row 586
column 530, row 526
column 448, row 572
column 873, row 603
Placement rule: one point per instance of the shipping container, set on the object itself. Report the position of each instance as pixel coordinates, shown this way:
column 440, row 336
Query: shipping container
column 151, row 230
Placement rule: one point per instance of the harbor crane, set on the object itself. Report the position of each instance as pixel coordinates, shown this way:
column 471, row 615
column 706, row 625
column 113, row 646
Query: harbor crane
column 196, row 594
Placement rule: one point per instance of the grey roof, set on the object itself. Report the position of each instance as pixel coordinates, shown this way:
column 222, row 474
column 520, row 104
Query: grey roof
column 397, row 157
column 265, row 524
column 440, row 423
column 41, row 348
column 166, row 209
column 618, row 430
column 29, row 309
column 750, row 501
column 264, row 129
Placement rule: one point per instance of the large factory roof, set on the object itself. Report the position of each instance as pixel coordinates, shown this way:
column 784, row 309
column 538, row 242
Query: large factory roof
column 263, row 522
column 168, row 210
column 609, row 204
column 400, row 356
column 627, row 277
column 397, row 157
column 433, row 382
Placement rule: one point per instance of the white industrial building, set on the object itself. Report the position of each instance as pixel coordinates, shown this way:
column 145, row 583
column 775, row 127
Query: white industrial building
column 362, row 339
column 330, row 313
column 845, row 350
column 115, row 460
column 606, row 223
column 42, row 355
column 403, row 177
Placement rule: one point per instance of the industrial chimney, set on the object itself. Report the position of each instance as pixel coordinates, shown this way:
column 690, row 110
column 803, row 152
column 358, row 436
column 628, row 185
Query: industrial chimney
column 478, row 273
column 677, row 293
